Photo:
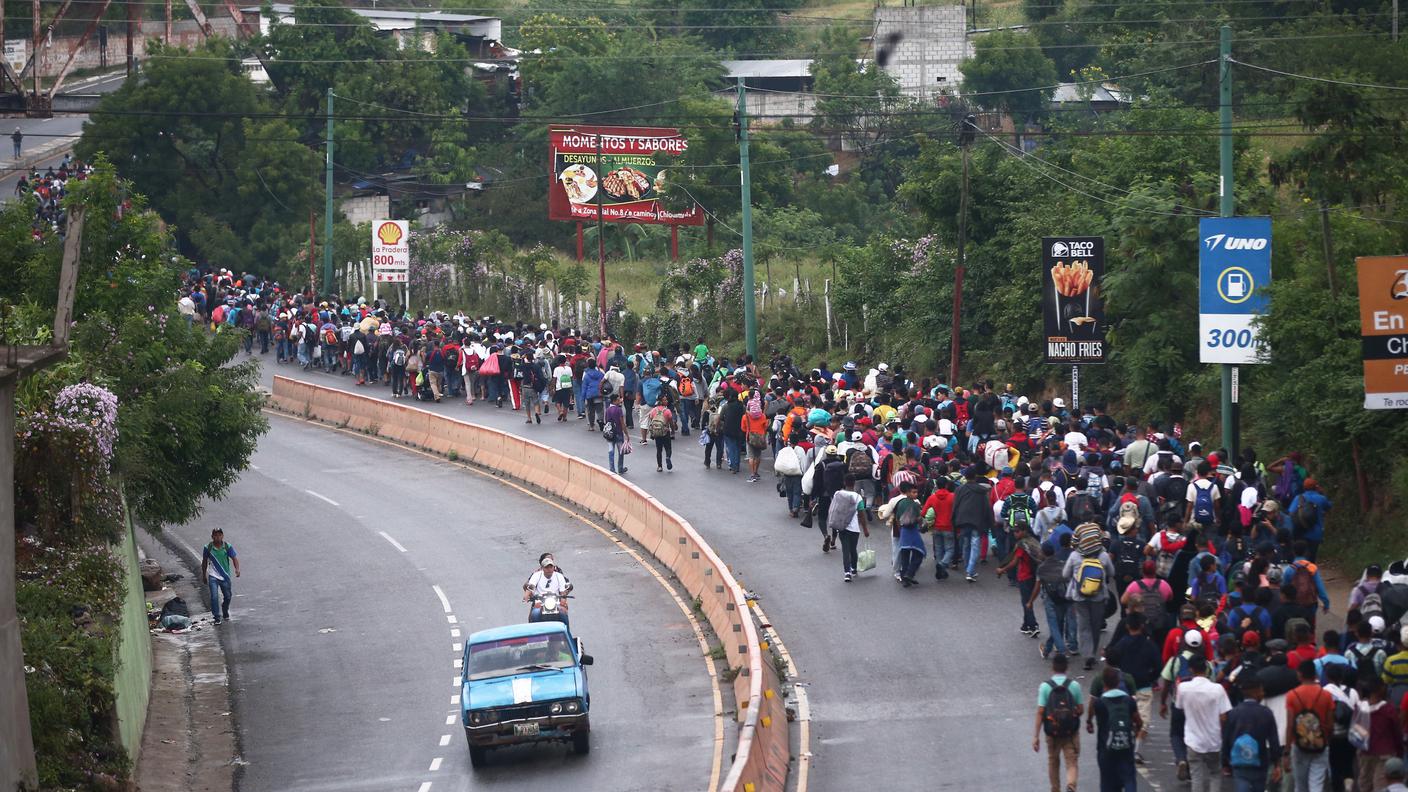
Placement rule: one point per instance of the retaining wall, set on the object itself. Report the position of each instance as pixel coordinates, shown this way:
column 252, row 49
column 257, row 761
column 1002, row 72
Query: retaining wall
column 761, row 761
column 134, row 651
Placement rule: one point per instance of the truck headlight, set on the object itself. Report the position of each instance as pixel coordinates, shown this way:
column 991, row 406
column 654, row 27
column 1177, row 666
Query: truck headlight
column 573, row 706
column 556, row 708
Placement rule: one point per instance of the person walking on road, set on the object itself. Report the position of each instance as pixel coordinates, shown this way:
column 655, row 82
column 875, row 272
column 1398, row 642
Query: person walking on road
column 846, row 512
column 1250, row 745
column 972, row 515
column 1089, row 571
column 1205, row 706
column 614, row 430
column 18, row 139
column 1058, row 711
column 660, row 422
column 218, row 561
column 1117, row 722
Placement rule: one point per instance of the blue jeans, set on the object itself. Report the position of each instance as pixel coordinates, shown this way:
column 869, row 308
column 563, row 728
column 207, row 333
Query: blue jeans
column 910, row 559
column 218, row 587
column 454, row 382
column 731, row 448
column 792, row 485
column 1311, row 771
column 1058, row 614
column 612, row 454
column 1117, row 772
column 1248, row 779
column 688, row 412
column 1025, row 589
column 577, row 399
column 974, row 538
column 943, row 552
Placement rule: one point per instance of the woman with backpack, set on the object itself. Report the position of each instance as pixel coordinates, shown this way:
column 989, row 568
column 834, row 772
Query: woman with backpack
column 396, row 360
column 660, row 422
column 613, row 430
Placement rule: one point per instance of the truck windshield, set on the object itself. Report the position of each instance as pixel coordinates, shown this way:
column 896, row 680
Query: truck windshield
column 512, row 655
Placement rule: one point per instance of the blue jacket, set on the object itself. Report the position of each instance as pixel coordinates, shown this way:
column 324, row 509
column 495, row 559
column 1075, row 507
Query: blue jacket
column 1321, row 504
column 591, row 383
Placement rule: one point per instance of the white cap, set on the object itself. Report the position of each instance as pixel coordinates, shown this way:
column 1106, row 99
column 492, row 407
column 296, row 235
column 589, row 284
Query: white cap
column 855, row 437
column 883, row 367
column 1059, row 403
column 919, row 419
column 1022, row 401
column 1193, row 638
column 1377, row 624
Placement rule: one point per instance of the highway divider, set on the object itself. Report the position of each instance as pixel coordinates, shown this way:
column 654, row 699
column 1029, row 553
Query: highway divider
column 761, row 760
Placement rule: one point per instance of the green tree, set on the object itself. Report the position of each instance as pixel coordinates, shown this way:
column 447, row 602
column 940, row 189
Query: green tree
column 1009, row 72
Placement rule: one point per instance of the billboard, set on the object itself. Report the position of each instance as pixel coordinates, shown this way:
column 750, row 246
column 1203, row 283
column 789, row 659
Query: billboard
column 634, row 163
column 1073, row 312
column 1383, row 322
column 1234, row 264
column 391, row 251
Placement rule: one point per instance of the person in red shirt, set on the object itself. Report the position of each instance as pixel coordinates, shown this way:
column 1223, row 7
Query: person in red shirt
column 1187, row 620
column 1305, row 650
column 1024, row 559
column 1311, row 699
column 937, row 512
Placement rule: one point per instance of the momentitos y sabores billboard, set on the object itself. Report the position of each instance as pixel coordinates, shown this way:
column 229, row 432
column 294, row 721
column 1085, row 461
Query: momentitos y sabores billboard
column 634, row 164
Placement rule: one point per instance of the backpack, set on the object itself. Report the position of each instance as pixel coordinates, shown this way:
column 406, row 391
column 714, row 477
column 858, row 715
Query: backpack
column 755, row 404
column 839, row 517
column 1090, row 577
column 757, row 440
column 858, row 463
column 1304, row 517
column 1203, row 512
column 398, row 358
column 1119, row 724
column 1128, row 517
column 1020, row 509
column 1245, row 752
column 279, row 332
column 177, row 606
column 1081, row 507
column 1309, row 732
column 608, row 431
column 1153, row 606
column 658, row 426
column 1053, row 583
column 359, row 349
column 1129, row 556
column 1344, row 715
column 1163, row 563
column 1303, row 580
column 1059, row 718
column 1373, row 605
column 605, row 388
column 452, row 356
column 1359, row 724
column 686, row 386
column 1247, row 616
column 330, row 337
column 473, row 362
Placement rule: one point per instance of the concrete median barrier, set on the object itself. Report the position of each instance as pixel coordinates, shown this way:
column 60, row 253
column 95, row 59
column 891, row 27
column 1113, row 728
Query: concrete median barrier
column 762, row 753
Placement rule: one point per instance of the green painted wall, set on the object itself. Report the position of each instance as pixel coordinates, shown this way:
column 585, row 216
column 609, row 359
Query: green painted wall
column 134, row 652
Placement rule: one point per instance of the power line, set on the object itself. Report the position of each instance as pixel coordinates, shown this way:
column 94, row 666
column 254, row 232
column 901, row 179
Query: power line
column 1320, row 79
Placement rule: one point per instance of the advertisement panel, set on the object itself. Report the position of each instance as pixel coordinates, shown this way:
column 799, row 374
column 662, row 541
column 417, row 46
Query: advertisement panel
column 17, row 53
column 391, row 251
column 634, row 163
column 1383, row 322
column 1073, row 312
column 1234, row 265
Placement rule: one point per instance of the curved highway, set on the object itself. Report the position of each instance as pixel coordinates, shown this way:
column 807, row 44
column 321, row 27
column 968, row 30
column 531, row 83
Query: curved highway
column 931, row 687
column 365, row 566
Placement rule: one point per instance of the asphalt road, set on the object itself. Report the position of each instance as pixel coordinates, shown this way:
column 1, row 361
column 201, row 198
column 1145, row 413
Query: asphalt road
column 342, row 645
column 926, row 688
column 50, row 136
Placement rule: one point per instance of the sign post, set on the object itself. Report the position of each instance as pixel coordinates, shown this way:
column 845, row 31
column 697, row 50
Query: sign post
column 1383, row 318
column 391, row 253
column 1234, row 267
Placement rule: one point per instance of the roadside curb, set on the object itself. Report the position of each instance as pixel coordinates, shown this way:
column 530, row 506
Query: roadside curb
column 190, row 742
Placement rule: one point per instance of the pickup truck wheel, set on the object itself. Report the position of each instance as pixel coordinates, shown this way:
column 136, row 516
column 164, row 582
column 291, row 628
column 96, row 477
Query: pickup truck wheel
column 581, row 743
column 478, row 757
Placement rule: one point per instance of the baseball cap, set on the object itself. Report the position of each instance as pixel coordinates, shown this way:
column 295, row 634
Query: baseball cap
column 548, row 561
column 1394, row 768
column 1251, row 639
column 1193, row 638
column 1377, row 623
column 1059, row 403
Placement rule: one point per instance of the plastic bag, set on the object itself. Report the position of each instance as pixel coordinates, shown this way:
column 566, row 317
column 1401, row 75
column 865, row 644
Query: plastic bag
column 704, row 438
column 865, row 559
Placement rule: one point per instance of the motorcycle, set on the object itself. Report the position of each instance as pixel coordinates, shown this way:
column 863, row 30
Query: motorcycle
column 548, row 607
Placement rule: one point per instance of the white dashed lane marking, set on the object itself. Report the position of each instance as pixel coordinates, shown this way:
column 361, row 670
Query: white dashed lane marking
column 444, row 601
column 394, row 543
column 322, row 497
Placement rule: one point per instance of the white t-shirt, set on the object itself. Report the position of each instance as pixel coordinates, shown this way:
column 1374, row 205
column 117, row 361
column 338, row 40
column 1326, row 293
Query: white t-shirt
column 1193, row 490
column 1077, row 441
column 562, row 378
column 857, row 504
column 541, row 584
column 1204, row 702
column 1157, row 541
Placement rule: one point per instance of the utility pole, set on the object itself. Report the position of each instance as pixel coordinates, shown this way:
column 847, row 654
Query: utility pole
column 327, row 205
column 967, row 128
column 600, row 242
column 1227, row 207
column 750, row 319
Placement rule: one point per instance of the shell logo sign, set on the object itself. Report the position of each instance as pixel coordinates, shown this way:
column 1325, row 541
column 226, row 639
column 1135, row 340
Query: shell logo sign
column 390, row 233
column 391, row 251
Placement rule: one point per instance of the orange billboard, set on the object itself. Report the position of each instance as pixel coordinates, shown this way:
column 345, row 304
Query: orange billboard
column 1383, row 322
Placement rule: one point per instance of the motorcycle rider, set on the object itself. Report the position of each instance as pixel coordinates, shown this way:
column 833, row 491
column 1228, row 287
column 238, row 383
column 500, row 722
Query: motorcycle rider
column 548, row 579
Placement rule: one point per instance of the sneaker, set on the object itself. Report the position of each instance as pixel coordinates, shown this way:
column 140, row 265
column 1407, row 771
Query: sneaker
column 971, row 578
column 669, row 464
column 1043, row 650
column 623, row 471
column 1138, row 758
column 1089, row 663
column 1036, row 632
column 847, row 578
column 1025, row 630
column 897, row 577
column 1183, row 774
column 659, row 469
column 217, row 622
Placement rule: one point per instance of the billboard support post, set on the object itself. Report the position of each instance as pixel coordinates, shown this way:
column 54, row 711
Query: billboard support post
column 750, row 320
column 1226, row 208
column 600, row 240
column 327, row 204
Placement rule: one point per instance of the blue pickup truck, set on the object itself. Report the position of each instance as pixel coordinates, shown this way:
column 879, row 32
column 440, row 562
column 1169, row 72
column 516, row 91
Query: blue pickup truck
column 523, row 684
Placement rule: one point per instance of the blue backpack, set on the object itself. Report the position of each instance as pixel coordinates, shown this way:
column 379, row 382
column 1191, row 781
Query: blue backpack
column 1203, row 512
column 1245, row 752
